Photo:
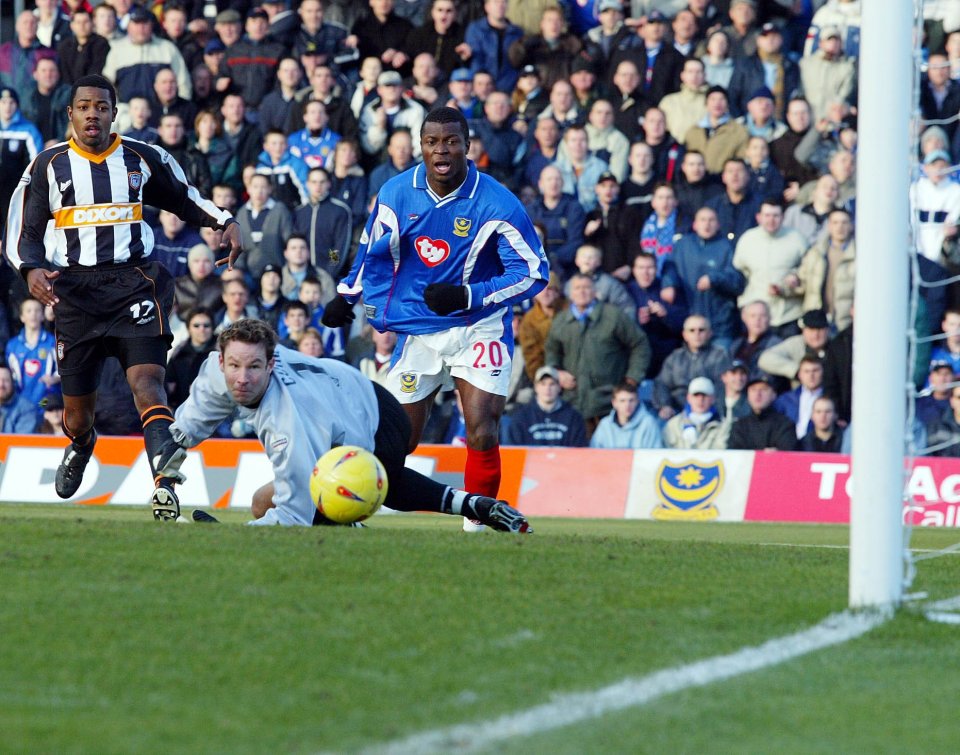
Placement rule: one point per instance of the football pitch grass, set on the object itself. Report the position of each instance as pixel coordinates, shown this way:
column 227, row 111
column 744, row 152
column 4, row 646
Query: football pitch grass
column 123, row 635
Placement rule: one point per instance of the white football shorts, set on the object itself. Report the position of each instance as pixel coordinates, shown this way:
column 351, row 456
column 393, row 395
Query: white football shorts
column 478, row 353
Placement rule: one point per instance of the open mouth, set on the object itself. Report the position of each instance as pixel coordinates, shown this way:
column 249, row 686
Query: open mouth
column 441, row 167
column 92, row 130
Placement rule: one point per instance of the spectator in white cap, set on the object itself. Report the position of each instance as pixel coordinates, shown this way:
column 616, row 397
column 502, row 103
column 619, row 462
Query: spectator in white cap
column 698, row 425
column 935, row 204
column 547, row 420
column 389, row 111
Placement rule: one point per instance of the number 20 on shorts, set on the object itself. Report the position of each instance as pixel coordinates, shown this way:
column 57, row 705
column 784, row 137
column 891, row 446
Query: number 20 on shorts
column 491, row 351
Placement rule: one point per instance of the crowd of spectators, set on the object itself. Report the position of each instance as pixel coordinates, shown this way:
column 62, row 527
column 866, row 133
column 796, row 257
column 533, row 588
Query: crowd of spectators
column 690, row 166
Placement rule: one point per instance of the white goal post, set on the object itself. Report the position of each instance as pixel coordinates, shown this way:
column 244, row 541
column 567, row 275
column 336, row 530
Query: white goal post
column 879, row 351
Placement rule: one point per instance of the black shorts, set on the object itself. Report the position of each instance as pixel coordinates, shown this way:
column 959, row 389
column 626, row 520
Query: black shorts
column 393, row 433
column 389, row 442
column 121, row 311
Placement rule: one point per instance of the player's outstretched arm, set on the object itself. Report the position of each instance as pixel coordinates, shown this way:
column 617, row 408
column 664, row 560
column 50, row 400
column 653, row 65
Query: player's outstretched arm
column 208, row 404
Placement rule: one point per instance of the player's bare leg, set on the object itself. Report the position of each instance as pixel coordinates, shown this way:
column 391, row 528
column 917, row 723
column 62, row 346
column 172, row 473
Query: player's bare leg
column 481, row 415
column 78, row 414
column 419, row 413
column 164, row 454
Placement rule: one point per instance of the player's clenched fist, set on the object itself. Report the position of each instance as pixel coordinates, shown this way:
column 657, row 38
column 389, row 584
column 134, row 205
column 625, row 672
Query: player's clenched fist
column 444, row 298
column 338, row 313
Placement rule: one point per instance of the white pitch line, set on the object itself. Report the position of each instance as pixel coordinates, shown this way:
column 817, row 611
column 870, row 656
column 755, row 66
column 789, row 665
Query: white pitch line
column 947, row 604
column 827, row 546
column 567, row 709
column 943, row 617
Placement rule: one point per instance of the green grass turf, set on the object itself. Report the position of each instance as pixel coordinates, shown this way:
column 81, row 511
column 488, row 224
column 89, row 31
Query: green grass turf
column 122, row 635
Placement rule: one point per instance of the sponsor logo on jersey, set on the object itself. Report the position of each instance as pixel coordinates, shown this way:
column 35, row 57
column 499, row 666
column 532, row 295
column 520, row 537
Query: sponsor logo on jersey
column 687, row 490
column 279, row 443
column 98, row 214
column 32, row 367
column 413, row 216
column 135, row 179
column 461, row 227
column 408, row 382
column 431, row 251
column 64, row 185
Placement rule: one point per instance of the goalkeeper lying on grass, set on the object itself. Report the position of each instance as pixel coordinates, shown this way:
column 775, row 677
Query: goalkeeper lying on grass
column 301, row 407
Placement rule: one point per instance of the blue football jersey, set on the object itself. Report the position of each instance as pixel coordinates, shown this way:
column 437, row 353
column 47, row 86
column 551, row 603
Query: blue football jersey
column 478, row 236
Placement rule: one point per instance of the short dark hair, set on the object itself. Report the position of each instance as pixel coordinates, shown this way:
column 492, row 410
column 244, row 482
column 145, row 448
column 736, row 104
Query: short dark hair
column 202, row 311
column 96, row 81
column 449, row 115
column 167, row 116
column 295, row 237
column 319, row 169
column 296, row 304
column 249, row 330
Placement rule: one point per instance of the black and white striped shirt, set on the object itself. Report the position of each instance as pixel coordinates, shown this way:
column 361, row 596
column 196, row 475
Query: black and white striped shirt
column 74, row 208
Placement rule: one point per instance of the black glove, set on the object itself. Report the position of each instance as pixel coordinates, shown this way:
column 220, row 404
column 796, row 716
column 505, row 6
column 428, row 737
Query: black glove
column 443, row 298
column 338, row 313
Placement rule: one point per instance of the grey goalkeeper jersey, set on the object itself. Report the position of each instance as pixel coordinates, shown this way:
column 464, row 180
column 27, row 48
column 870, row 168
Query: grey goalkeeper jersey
column 309, row 406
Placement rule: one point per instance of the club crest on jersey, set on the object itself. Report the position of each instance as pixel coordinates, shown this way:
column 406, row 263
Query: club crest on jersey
column 334, row 255
column 135, row 179
column 688, row 490
column 408, row 382
column 431, row 251
column 461, row 227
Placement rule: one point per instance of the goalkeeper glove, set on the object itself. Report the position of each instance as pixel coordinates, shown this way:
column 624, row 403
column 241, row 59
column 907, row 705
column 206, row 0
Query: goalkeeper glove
column 338, row 313
column 443, row 298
